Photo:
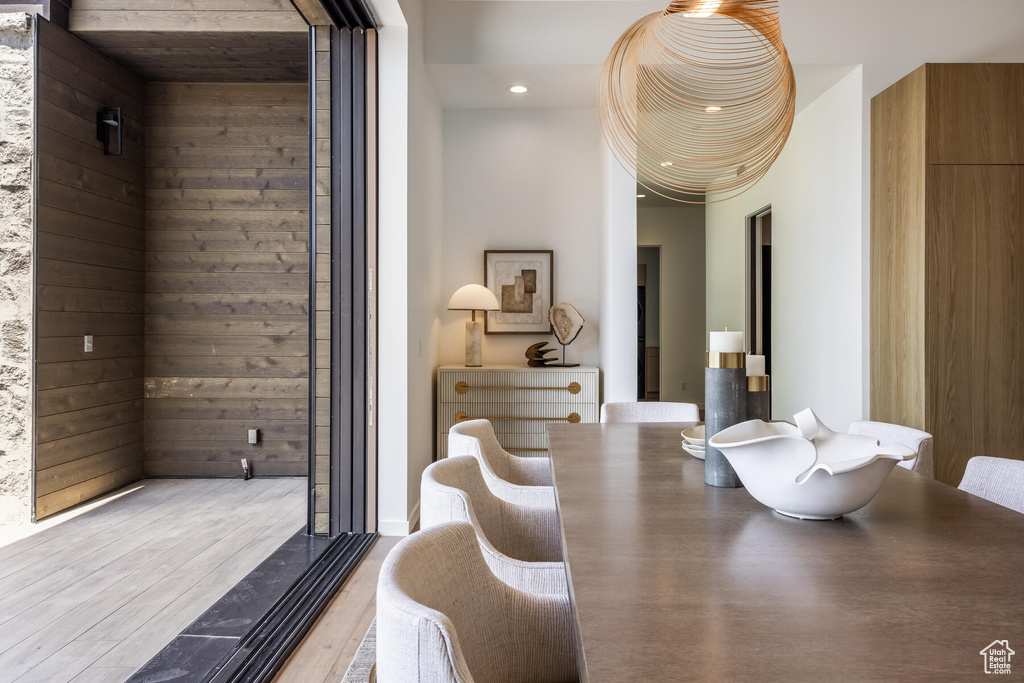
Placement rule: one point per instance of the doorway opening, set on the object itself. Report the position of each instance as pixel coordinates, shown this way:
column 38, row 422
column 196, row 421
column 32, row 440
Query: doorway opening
column 204, row 216
column 672, row 288
column 648, row 268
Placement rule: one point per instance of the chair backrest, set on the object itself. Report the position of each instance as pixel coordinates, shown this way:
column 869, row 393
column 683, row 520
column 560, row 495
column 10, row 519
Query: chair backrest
column 477, row 438
column 454, row 490
column 650, row 411
column 892, row 435
column 441, row 613
column 999, row 480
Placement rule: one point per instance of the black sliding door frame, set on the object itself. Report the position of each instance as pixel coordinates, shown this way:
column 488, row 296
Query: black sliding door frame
column 348, row 282
column 352, row 234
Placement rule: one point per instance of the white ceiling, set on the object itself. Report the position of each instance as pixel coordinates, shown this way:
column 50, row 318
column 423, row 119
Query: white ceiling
column 475, row 49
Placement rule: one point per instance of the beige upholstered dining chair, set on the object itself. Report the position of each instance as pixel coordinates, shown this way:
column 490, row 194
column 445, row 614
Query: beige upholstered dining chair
column 892, row 435
column 650, row 411
column 526, row 481
column 443, row 617
column 999, row 480
column 521, row 543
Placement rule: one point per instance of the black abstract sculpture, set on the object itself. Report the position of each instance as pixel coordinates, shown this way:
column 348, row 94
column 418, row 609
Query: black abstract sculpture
column 535, row 355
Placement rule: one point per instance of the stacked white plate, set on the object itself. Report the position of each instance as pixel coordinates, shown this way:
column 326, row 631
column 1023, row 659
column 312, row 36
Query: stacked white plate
column 693, row 441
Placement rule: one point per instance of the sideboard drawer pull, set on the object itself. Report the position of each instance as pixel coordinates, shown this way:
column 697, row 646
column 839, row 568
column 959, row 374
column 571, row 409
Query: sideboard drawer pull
column 573, row 388
column 574, row 418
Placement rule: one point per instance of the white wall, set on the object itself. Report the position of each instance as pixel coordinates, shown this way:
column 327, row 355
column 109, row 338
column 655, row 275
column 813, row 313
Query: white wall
column 425, row 257
column 522, row 179
column 679, row 231
column 409, row 264
column 815, row 190
column 618, row 280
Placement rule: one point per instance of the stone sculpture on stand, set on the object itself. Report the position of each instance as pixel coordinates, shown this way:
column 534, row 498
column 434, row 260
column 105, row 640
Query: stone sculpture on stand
column 567, row 323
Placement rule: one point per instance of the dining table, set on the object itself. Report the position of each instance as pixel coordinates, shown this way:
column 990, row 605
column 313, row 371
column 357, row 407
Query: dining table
column 674, row 580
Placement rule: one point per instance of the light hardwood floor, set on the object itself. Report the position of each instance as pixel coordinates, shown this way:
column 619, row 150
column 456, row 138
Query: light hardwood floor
column 328, row 648
column 93, row 597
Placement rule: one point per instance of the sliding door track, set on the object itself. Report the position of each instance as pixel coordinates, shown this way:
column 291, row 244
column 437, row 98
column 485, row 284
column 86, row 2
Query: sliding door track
column 242, row 640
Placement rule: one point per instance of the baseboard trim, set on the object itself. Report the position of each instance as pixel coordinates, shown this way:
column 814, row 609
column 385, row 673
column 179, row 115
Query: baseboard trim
column 400, row 527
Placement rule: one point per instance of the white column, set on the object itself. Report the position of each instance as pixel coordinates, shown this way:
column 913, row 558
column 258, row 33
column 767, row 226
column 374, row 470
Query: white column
column 618, row 282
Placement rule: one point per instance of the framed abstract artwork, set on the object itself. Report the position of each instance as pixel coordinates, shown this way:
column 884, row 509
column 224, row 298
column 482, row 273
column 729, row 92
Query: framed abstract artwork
column 523, row 282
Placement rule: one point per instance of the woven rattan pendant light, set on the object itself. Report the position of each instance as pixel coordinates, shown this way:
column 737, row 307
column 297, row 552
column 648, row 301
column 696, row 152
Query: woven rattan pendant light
column 699, row 100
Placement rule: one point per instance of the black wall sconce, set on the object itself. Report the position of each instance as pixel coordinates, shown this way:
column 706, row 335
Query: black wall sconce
column 108, row 130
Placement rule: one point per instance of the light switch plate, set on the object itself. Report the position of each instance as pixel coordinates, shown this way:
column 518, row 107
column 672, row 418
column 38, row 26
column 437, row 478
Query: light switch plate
column 88, row 343
column 254, row 436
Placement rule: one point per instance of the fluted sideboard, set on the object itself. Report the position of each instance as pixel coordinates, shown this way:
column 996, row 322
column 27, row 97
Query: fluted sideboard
column 519, row 401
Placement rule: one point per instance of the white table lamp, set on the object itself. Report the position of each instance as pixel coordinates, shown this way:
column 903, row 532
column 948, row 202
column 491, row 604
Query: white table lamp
column 473, row 298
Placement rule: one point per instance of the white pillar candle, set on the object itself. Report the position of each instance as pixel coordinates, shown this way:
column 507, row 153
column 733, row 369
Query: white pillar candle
column 755, row 366
column 726, row 342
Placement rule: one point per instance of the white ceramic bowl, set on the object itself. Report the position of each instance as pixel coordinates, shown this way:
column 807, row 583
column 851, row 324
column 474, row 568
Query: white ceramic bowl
column 695, row 451
column 694, row 435
column 808, row 472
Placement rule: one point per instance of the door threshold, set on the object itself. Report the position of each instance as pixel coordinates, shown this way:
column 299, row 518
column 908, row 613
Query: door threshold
column 247, row 635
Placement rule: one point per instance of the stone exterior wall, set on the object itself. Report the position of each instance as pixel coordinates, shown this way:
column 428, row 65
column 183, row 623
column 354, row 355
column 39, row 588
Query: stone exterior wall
column 16, row 106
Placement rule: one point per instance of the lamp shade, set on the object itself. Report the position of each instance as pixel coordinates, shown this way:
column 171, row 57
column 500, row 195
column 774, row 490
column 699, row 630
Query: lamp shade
column 473, row 298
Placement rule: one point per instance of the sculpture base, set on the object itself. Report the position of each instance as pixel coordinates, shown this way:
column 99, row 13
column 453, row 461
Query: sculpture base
column 562, row 365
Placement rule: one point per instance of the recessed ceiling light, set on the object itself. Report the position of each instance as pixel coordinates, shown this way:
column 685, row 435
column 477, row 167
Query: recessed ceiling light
column 666, row 163
column 712, row 108
column 518, row 89
column 640, row 196
column 704, row 9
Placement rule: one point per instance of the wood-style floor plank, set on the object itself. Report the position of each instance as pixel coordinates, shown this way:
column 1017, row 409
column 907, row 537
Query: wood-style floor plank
column 139, row 646
column 135, row 504
column 327, row 650
column 92, row 597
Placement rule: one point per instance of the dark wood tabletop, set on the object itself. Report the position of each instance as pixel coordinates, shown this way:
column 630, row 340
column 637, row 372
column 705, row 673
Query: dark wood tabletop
column 673, row 580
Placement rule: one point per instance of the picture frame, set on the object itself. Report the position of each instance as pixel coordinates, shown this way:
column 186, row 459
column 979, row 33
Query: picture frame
column 523, row 282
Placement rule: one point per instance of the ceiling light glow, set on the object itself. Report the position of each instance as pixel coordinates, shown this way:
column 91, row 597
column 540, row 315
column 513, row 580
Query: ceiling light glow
column 666, row 163
column 712, row 108
column 640, row 196
column 704, row 9
column 518, row 89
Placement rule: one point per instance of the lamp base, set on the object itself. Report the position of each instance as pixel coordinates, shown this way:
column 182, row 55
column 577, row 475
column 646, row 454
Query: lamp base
column 474, row 344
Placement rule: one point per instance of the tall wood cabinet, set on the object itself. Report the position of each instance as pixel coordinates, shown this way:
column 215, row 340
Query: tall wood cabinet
column 947, row 259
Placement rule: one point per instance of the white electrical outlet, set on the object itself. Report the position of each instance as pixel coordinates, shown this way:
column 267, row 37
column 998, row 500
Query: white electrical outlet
column 254, row 436
column 88, row 343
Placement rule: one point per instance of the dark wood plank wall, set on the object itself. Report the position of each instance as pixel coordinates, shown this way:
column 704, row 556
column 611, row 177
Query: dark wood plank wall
column 215, row 41
column 218, row 16
column 90, row 276
column 227, row 268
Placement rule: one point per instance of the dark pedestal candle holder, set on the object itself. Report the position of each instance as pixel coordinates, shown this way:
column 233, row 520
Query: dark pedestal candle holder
column 725, row 404
column 758, row 398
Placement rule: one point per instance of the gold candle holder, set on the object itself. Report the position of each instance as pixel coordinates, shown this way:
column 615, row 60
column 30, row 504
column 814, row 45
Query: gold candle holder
column 757, row 384
column 728, row 361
